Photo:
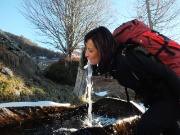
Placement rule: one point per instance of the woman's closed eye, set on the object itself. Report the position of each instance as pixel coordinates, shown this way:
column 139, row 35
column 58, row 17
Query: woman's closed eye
column 90, row 51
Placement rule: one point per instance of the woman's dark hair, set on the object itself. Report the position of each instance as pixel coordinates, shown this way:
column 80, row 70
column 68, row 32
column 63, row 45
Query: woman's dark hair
column 105, row 44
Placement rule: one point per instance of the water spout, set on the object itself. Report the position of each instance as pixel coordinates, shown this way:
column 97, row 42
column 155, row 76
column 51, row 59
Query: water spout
column 89, row 91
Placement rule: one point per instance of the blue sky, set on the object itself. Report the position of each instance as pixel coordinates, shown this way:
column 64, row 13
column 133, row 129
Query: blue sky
column 11, row 20
column 14, row 22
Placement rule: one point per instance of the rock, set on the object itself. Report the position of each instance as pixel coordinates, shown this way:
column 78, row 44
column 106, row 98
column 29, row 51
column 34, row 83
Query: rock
column 15, row 115
column 80, row 86
column 6, row 70
column 16, row 59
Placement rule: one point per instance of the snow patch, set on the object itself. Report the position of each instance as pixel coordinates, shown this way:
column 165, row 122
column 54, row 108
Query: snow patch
column 39, row 103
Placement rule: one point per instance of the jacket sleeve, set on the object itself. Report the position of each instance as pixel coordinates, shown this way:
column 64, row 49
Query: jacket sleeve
column 157, row 69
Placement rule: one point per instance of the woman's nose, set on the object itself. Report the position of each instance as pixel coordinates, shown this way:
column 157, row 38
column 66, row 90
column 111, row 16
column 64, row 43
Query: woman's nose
column 86, row 53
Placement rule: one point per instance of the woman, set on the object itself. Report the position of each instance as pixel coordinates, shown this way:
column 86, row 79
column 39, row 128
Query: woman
column 158, row 85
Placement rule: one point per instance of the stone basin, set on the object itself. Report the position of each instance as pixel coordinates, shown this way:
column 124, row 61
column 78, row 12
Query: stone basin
column 106, row 107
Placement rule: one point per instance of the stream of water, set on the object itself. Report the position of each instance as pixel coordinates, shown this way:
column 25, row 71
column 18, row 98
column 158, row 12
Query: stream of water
column 88, row 121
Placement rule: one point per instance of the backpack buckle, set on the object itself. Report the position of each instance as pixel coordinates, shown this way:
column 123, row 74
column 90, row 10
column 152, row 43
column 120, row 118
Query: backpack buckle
column 123, row 53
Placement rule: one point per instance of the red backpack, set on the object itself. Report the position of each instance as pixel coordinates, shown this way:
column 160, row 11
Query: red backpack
column 161, row 47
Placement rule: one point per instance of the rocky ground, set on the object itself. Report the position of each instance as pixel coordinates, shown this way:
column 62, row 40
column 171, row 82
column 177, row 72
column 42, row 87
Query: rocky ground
column 111, row 86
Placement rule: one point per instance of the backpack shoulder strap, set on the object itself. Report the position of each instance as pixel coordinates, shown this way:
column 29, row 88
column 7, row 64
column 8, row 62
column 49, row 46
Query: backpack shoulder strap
column 125, row 63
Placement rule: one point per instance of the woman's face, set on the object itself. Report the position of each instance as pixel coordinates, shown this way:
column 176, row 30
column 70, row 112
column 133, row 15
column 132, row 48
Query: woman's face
column 92, row 53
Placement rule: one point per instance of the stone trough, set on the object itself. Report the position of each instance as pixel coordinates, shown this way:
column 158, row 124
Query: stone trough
column 117, row 109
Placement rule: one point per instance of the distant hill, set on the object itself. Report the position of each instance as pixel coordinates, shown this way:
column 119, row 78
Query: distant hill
column 32, row 48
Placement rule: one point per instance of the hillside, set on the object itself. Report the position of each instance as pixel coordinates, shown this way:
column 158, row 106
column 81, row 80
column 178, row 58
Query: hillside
column 32, row 48
column 21, row 79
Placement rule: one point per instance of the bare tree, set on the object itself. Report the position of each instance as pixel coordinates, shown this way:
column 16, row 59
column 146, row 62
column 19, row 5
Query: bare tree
column 160, row 15
column 65, row 22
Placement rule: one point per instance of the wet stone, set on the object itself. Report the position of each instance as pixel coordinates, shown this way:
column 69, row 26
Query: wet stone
column 110, row 116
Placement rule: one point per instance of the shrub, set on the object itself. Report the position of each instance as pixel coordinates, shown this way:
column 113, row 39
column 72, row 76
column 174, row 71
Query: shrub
column 58, row 72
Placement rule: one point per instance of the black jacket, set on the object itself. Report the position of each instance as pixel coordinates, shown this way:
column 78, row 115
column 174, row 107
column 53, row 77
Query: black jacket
column 148, row 78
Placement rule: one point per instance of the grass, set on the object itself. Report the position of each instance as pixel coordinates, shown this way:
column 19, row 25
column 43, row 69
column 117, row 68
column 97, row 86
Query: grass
column 17, row 89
